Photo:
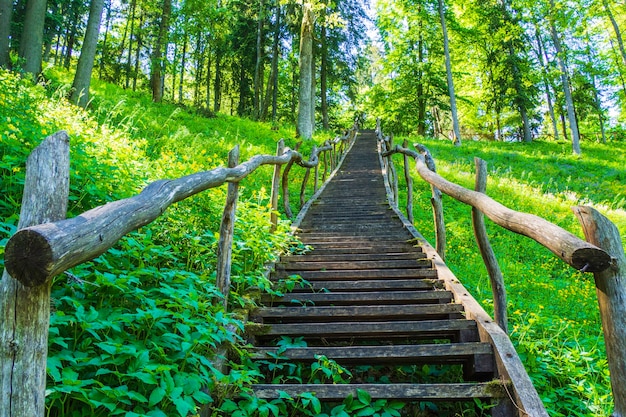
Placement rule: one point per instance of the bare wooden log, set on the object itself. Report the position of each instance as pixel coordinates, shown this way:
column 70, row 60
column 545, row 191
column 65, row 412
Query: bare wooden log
column 611, row 292
column 227, row 229
column 489, row 257
column 325, row 166
column 409, row 185
column 285, row 187
column 280, row 148
column 25, row 312
column 35, row 254
column 305, row 181
column 437, row 204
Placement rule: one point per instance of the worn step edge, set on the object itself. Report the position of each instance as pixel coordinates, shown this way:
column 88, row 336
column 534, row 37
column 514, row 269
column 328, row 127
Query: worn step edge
column 335, row 312
column 412, row 392
column 437, row 297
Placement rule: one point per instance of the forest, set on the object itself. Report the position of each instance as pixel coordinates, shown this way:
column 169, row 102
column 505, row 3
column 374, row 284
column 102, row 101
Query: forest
column 151, row 89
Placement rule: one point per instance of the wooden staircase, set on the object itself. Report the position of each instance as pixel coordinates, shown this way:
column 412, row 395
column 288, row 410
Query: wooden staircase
column 375, row 304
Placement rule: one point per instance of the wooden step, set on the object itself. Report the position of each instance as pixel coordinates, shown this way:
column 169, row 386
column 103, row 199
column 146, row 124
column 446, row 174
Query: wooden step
column 344, row 257
column 354, row 265
column 361, row 298
column 343, row 275
column 408, row 392
column 338, row 313
column 370, row 285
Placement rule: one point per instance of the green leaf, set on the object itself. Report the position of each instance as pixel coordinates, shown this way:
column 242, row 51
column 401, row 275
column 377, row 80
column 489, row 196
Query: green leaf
column 156, row 396
column 364, row 396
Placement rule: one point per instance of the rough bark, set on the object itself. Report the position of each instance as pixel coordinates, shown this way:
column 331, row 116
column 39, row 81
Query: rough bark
column 304, row 126
column 227, row 228
column 324, row 79
column 6, row 9
column 618, row 32
column 82, row 78
column 36, row 254
column 611, row 291
column 489, row 257
column 571, row 249
column 567, row 90
column 156, row 78
column 258, row 66
column 446, row 49
column 31, row 43
column 25, row 312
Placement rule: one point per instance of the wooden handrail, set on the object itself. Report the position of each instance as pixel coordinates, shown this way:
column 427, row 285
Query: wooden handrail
column 36, row 254
column 572, row 250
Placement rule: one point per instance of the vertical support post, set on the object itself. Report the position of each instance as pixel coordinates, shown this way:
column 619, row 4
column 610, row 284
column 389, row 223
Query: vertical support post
column 317, row 176
column 305, row 181
column 409, row 184
column 25, row 312
column 480, row 232
column 325, row 159
column 285, row 187
column 227, row 228
column 280, row 148
column 440, row 225
column 611, row 292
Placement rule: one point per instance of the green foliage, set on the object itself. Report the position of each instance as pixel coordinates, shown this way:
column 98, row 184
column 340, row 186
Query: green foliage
column 561, row 345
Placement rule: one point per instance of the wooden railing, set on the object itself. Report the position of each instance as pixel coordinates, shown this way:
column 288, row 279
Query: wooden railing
column 46, row 244
column 602, row 253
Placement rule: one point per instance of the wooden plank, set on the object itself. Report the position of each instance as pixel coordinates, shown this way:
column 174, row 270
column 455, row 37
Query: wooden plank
column 403, row 328
column 370, row 297
column 418, row 354
column 315, row 257
column 354, row 265
column 357, row 312
column 408, row 392
column 370, row 285
column 321, row 250
column 364, row 274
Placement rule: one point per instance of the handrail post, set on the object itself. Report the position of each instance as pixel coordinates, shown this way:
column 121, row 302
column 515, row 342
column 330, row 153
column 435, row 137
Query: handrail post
column 440, row 225
column 25, row 311
column 280, row 148
column 611, row 292
column 491, row 263
column 227, row 228
column 409, row 184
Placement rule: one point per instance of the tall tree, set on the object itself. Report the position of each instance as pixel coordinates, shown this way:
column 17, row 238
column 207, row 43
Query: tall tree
column 157, row 62
column 6, row 9
column 567, row 90
column 82, row 78
column 306, row 110
column 446, row 49
column 31, row 43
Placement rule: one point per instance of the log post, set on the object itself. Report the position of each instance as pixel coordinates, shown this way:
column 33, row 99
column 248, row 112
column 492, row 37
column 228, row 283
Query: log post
column 409, row 185
column 25, row 311
column 325, row 167
column 280, row 148
column 611, row 291
column 227, row 229
column 285, row 188
column 436, row 202
column 491, row 263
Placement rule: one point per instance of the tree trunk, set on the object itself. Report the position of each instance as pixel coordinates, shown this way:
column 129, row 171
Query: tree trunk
column 421, row 99
column 275, row 53
column 104, row 41
column 156, row 78
column 446, row 49
column 546, row 84
column 70, row 40
column 32, row 36
column 182, row 69
column 618, row 33
column 82, row 78
column 217, row 85
column 304, row 126
column 6, row 9
column 573, row 124
column 324, row 79
column 25, row 311
column 129, row 64
column 258, row 77
column 138, row 51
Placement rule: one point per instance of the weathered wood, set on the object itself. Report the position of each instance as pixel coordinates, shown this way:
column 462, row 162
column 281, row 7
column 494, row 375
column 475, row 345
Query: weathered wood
column 437, row 203
column 342, row 265
column 353, row 312
column 571, row 249
column 611, row 292
column 366, row 298
column 409, row 185
column 280, row 148
column 227, row 228
column 35, row 254
column 365, row 274
column 285, row 188
column 25, row 312
column 406, row 392
column 489, row 257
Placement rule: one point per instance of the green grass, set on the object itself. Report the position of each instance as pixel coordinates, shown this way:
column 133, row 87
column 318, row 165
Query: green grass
column 553, row 311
